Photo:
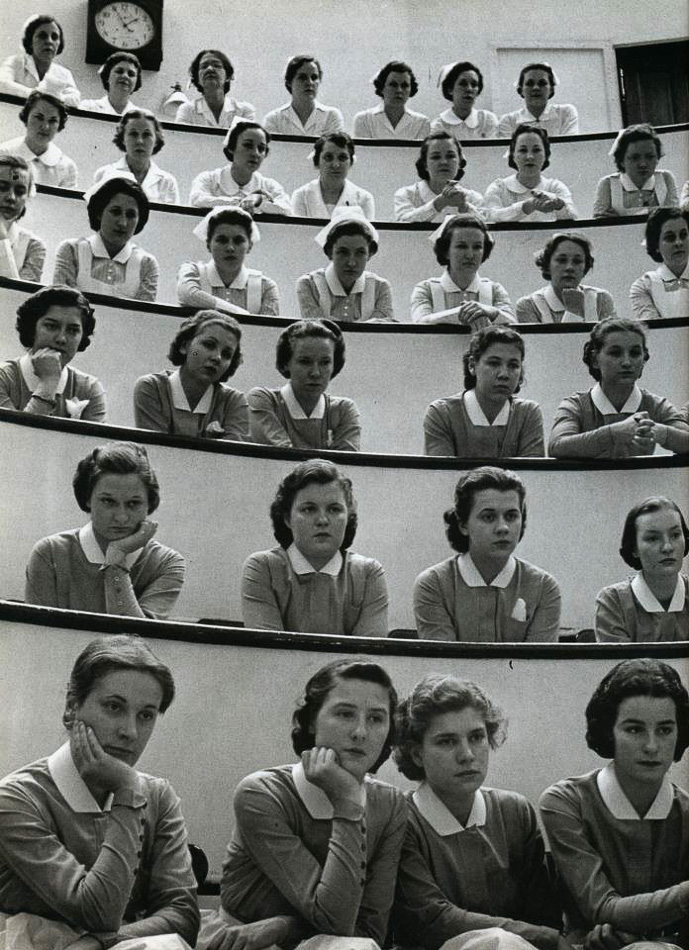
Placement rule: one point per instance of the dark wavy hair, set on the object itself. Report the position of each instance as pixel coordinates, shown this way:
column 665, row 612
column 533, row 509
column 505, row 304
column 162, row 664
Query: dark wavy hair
column 394, row 66
column 341, row 139
column 432, row 696
column 113, row 60
column 654, row 225
column 641, row 132
column 486, row 476
column 421, row 162
column 596, row 340
column 110, row 655
column 642, row 677
column 647, row 507
column 243, row 125
column 193, row 326
column 450, row 79
column 99, row 201
column 349, row 229
column 312, row 471
column 522, row 129
column 15, row 161
column 33, row 25
column 30, row 311
column 542, row 66
column 116, row 458
column 304, row 330
column 121, row 128
column 295, row 64
column 196, row 63
column 456, row 223
column 481, row 341
column 317, row 690
column 36, row 96
column 544, row 256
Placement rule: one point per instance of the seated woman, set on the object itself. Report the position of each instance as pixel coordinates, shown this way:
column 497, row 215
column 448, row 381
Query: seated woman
column 304, row 115
column 194, row 400
column 445, row 732
column 396, row 84
column 54, row 325
column 484, row 593
column 44, row 115
column 211, row 73
column 36, row 68
column 564, row 262
column 486, row 420
column 619, row 835
column 345, row 290
column 440, row 167
column 302, row 415
column 461, row 244
column 224, row 282
column 316, row 844
column 637, row 184
column 461, row 84
column 112, row 565
column 333, row 155
column 616, row 419
column 121, row 76
column 664, row 292
column 140, row 135
column 536, row 86
column 311, row 582
column 653, row 605
column 240, row 184
column 94, row 852
column 22, row 253
column 528, row 196
column 109, row 262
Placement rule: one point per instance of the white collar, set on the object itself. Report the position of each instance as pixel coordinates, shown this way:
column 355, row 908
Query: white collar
column 552, row 299
column 439, row 816
column 32, row 381
column 30, row 66
column 301, row 566
column 524, row 115
column 179, row 397
column 295, row 409
column 619, row 805
column 450, row 287
column 336, row 288
column 665, row 274
column 71, row 785
column 316, row 802
column 92, row 551
column 232, row 187
column 98, row 249
column 604, row 406
column 650, row 602
column 49, row 158
column 450, row 117
column 513, row 184
column 152, row 175
column 239, row 283
column 628, row 184
column 477, row 417
column 472, row 576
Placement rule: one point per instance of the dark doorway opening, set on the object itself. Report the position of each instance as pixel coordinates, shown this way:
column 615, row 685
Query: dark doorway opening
column 654, row 82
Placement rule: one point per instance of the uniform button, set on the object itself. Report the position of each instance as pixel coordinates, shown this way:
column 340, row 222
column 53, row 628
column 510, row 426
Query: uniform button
column 363, row 848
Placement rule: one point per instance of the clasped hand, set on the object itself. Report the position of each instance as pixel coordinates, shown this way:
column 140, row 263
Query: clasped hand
column 636, row 432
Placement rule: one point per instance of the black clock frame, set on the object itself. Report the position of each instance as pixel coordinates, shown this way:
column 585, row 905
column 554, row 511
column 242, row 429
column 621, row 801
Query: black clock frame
column 97, row 49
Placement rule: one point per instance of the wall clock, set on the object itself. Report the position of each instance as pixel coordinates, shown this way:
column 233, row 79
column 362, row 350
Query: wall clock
column 132, row 25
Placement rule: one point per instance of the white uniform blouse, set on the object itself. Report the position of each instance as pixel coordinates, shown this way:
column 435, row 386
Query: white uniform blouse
column 53, row 167
column 479, row 124
column 19, row 77
column 555, row 119
column 158, row 185
column 198, row 112
column 285, row 121
column 307, row 201
column 374, row 124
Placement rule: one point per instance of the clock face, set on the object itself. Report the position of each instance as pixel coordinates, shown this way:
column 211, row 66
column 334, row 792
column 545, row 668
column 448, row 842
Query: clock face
column 124, row 25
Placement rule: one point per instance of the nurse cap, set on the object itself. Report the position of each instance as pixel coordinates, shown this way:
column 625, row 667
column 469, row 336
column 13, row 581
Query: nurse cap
column 341, row 216
column 108, row 175
column 201, row 229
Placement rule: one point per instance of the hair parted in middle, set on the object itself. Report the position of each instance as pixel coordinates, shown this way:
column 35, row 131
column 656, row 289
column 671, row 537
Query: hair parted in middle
column 421, row 164
column 120, row 57
column 193, row 325
column 240, row 126
column 110, row 188
column 450, row 78
column 596, row 340
column 456, row 223
column 305, row 330
column 226, row 64
column 480, row 341
column 526, row 129
column 340, row 139
column 479, row 479
column 628, row 543
column 395, row 66
column 115, row 458
column 312, row 471
column 120, row 131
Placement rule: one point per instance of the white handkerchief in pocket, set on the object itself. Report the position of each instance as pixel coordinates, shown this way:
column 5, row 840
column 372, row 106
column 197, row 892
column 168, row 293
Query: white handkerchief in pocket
column 519, row 610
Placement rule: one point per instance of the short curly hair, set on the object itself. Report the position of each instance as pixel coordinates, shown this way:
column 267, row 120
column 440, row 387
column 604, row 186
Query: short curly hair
column 115, row 458
column 542, row 66
column 304, row 330
column 432, row 696
column 113, row 60
column 456, row 223
column 100, row 199
column 340, row 139
column 421, row 163
column 479, row 479
column 193, row 326
column 654, row 225
column 639, row 677
column 544, row 256
column 312, row 471
column 394, row 66
column 242, row 125
column 295, row 64
column 641, row 132
column 36, row 96
column 646, row 507
column 596, row 340
column 33, row 25
column 146, row 114
column 450, row 78
column 481, row 341
column 30, row 311
column 350, row 229
column 321, row 684
column 196, row 63
column 524, row 129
